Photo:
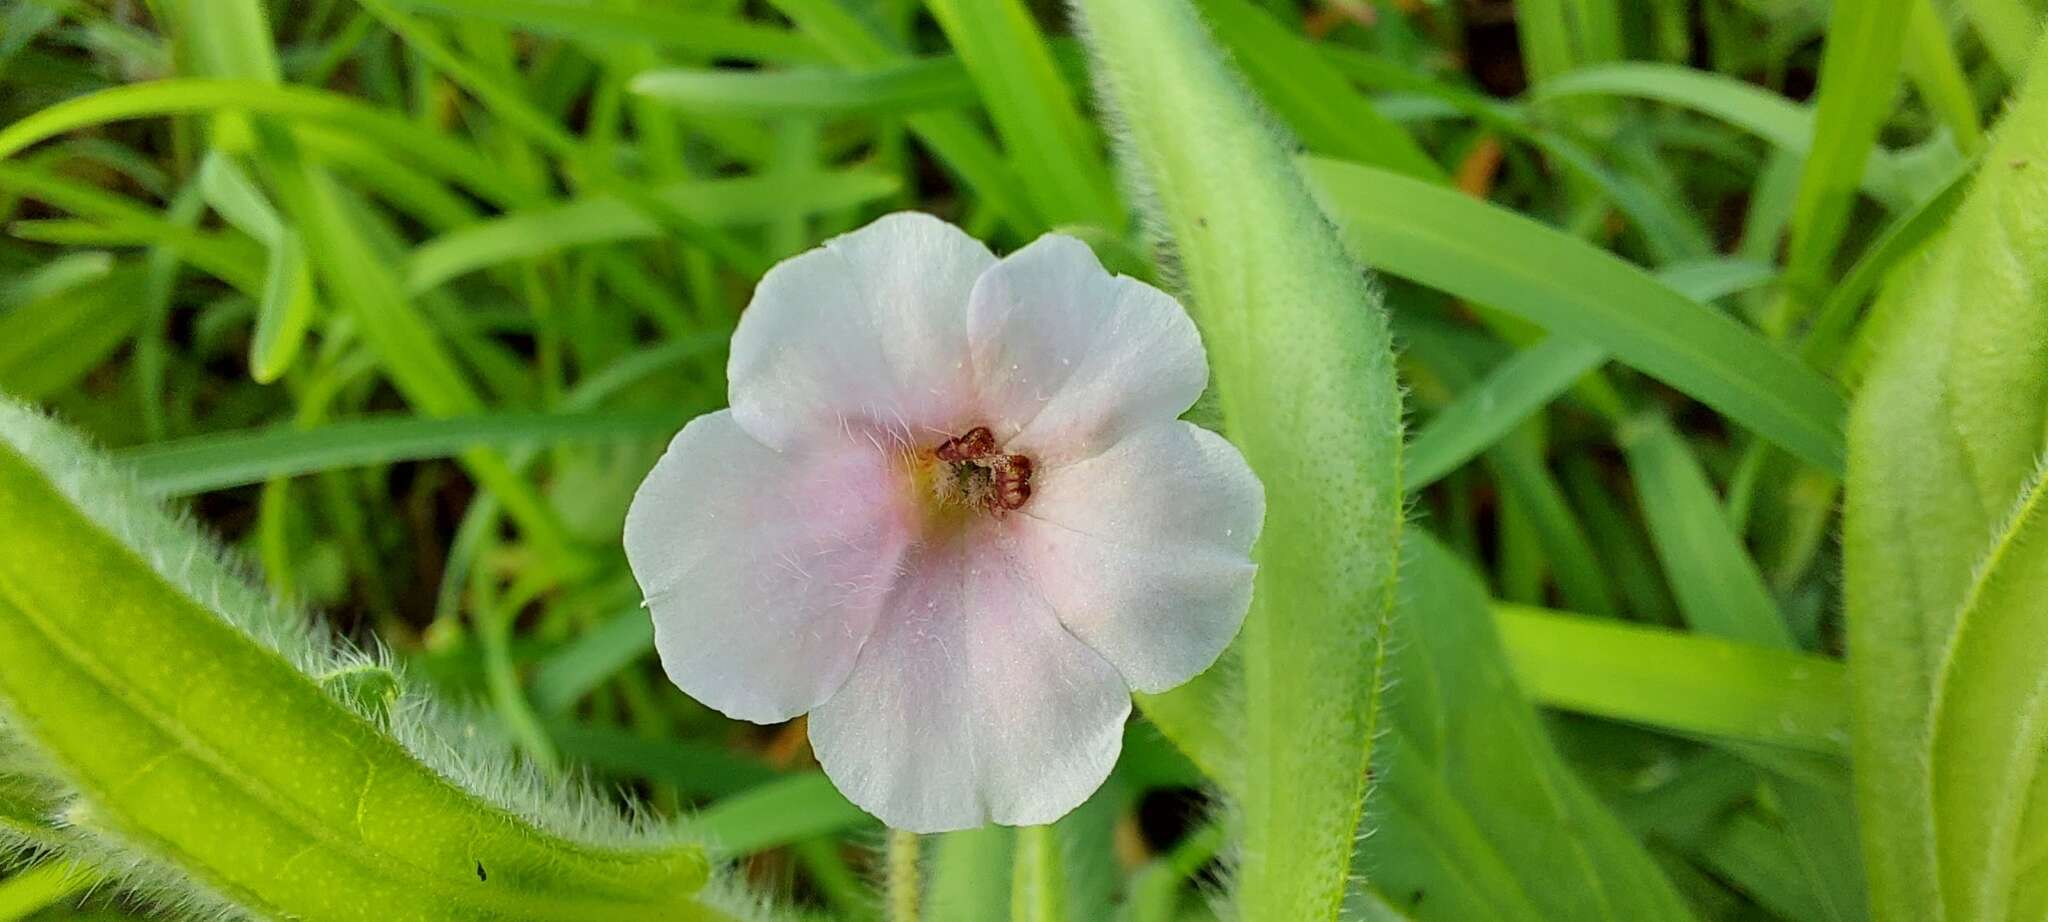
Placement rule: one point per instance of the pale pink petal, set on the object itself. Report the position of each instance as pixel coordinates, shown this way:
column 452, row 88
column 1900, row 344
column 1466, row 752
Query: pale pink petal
column 867, row 331
column 1069, row 358
column 765, row 568
column 970, row 704
column 1145, row 550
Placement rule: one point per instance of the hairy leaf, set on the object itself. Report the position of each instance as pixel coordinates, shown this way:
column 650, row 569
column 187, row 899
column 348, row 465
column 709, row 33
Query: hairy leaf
column 1944, row 436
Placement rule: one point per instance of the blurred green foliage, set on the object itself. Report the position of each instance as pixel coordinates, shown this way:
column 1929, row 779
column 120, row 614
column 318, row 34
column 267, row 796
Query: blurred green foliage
column 401, row 298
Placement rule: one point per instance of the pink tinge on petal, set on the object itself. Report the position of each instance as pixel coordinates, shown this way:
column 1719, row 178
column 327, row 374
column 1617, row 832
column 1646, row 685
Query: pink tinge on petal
column 765, row 569
column 970, row 703
column 1068, row 358
column 868, row 331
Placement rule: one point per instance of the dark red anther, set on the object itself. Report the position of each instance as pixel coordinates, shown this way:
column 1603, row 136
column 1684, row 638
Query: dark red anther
column 973, row 445
column 1013, row 482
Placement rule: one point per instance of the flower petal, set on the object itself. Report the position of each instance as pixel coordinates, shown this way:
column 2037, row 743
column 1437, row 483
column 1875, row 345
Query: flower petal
column 1145, row 549
column 765, row 569
column 1070, row 358
column 869, row 330
column 970, row 704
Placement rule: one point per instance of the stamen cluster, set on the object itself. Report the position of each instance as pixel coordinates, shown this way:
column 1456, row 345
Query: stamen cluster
column 981, row 474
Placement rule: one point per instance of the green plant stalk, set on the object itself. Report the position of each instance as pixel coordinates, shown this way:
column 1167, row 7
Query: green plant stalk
column 903, row 884
column 1038, row 889
column 1300, row 356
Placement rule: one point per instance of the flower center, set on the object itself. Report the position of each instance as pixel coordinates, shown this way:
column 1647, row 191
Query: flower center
column 974, row 473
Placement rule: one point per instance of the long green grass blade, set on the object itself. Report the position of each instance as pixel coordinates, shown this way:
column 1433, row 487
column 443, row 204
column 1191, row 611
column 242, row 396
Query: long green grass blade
column 1719, row 589
column 1491, row 256
column 284, row 313
column 1784, row 123
column 570, row 673
column 49, row 343
column 707, row 34
column 777, row 813
column 1859, row 77
column 231, row 459
column 1685, row 683
column 915, row 85
column 406, row 140
column 1316, row 101
column 1525, row 383
column 604, row 219
column 1033, row 108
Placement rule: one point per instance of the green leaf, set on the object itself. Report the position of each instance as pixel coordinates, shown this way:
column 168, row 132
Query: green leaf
column 914, row 85
column 1719, row 589
column 1299, row 352
column 1835, row 322
column 227, row 259
column 1759, row 859
column 547, row 229
column 1525, row 383
column 709, row 35
column 48, row 344
column 1930, row 60
column 1486, row 412
column 1685, row 683
column 694, row 767
column 231, row 459
column 1314, row 98
column 1053, row 149
column 1785, row 124
column 1859, row 78
column 202, row 747
column 438, row 153
column 1479, row 817
column 1989, row 728
column 777, row 813
column 1156, row 888
column 953, row 138
column 1489, row 255
column 284, row 314
column 568, row 674
column 60, row 274
column 1945, row 435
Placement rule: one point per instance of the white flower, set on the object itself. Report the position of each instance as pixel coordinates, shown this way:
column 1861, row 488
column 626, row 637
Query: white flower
column 953, row 515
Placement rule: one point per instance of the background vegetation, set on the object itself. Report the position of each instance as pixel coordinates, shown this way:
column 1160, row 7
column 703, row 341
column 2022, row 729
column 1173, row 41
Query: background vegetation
column 401, row 298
